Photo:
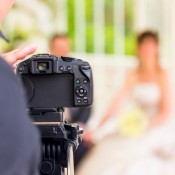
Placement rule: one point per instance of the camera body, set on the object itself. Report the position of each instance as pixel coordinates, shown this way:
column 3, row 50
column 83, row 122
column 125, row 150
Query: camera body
column 50, row 81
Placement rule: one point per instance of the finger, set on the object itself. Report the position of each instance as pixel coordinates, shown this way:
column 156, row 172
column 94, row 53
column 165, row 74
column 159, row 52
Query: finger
column 14, row 66
column 20, row 54
column 9, row 54
column 13, row 51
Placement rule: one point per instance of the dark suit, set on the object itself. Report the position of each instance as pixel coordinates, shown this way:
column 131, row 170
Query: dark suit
column 19, row 139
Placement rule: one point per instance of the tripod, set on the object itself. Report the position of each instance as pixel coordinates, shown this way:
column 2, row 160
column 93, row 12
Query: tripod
column 59, row 140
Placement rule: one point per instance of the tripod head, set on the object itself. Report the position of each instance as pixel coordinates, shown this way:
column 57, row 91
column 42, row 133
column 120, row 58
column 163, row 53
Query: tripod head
column 47, row 115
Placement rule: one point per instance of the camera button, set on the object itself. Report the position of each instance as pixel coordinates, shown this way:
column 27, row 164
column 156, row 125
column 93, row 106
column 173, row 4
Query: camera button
column 77, row 81
column 69, row 68
column 85, row 101
column 85, row 67
column 79, row 101
column 67, row 59
column 61, row 68
column 20, row 69
column 85, row 81
column 26, row 63
column 81, row 91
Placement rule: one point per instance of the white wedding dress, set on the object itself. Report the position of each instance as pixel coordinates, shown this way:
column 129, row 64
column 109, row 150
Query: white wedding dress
column 151, row 154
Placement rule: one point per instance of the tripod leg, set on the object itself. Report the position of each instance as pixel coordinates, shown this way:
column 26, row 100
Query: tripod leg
column 70, row 169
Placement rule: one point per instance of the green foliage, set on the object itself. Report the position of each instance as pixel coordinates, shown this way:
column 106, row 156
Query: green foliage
column 109, row 39
column 130, row 38
column 89, row 39
column 109, row 27
column 89, row 26
column 15, row 37
column 109, row 12
column 71, row 26
column 130, row 43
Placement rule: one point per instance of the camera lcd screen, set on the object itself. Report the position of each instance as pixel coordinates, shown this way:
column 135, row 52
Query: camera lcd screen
column 48, row 91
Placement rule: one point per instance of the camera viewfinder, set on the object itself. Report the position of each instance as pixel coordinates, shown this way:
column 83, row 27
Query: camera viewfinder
column 43, row 66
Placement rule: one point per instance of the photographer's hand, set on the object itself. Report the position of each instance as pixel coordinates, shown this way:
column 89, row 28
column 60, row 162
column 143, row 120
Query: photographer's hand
column 88, row 136
column 18, row 54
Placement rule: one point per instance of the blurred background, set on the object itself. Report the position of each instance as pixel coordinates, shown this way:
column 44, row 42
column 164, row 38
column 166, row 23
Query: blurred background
column 103, row 32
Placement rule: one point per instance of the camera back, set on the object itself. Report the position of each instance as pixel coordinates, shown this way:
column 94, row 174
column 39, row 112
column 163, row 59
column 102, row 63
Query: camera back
column 52, row 82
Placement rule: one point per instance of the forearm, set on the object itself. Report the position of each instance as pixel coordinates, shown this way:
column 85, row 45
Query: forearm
column 114, row 108
column 166, row 104
column 159, row 119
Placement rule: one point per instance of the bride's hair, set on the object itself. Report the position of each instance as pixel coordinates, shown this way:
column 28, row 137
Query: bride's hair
column 147, row 34
column 153, row 35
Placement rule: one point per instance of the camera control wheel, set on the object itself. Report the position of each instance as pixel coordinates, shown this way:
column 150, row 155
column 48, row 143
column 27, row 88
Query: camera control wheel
column 81, row 91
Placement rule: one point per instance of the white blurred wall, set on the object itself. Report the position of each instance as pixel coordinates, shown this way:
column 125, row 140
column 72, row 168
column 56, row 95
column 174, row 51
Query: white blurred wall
column 109, row 74
column 109, row 71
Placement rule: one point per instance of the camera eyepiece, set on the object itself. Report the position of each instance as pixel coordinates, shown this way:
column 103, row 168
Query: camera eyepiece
column 43, row 66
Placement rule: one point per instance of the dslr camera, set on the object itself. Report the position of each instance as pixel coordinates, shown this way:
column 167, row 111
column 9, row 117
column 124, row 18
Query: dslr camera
column 50, row 84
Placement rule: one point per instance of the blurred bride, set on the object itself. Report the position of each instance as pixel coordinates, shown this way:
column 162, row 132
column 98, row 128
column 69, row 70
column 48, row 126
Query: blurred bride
column 140, row 108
